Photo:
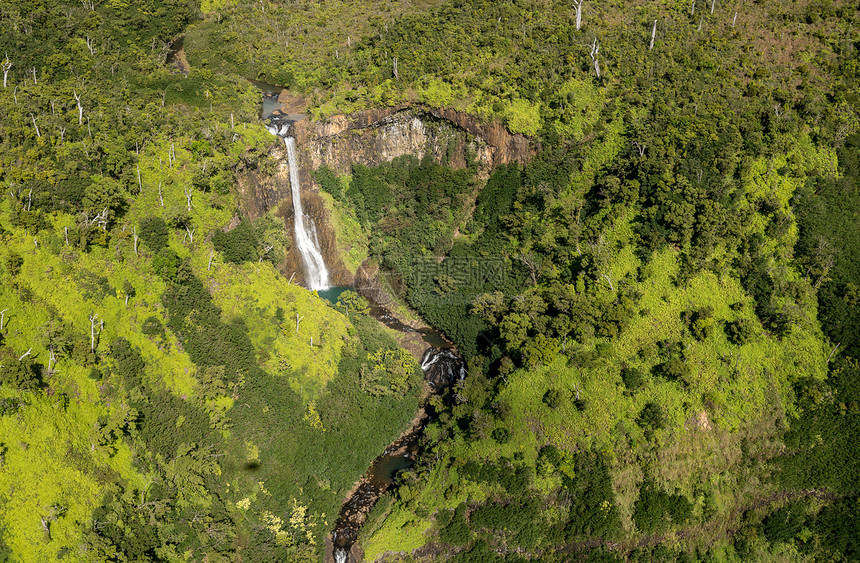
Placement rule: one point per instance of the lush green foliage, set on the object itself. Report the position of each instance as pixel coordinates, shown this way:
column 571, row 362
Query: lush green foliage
column 659, row 311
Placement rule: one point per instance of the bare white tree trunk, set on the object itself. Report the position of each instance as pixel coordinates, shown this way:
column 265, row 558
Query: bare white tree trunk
column 93, row 318
column 6, row 65
column 693, row 8
column 298, row 320
column 608, row 280
column 80, row 107
column 595, row 49
column 136, row 239
column 209, row 266
column 653, row 35
column 713, row 2
column 159, row 195
column 34, row 125
column 52, row 362
column 397, row 76
column 188, row 193
column 34, row 77
column 91, row 45
column 734, row 20
column 3, row 317
column 578, row 6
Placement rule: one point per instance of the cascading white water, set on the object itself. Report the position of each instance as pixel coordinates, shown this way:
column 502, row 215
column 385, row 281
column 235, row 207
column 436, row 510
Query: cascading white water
column 316, row 273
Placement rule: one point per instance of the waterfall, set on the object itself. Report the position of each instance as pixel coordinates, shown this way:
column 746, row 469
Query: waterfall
column 316, row 273
column 442, row 367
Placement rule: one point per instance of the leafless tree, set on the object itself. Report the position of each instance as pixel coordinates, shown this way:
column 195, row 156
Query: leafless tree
column 595, row 49
column 578, row 6
column 80, row 107
column 38, row 134
column 188, row 193
column 93, row 318
column 2, row 317
column 6, row 65
column 653, row 35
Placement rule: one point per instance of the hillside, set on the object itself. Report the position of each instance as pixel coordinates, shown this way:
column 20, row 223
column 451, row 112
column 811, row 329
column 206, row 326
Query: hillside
column 657, row 301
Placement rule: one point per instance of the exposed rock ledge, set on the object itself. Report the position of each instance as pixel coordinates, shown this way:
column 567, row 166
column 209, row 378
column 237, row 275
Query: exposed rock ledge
column 491, row 143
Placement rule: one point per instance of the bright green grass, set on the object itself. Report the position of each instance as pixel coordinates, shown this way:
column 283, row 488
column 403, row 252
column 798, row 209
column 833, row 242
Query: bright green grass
column 255, row 292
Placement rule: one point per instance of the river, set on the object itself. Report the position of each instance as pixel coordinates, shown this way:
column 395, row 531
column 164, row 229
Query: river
column 440, row 362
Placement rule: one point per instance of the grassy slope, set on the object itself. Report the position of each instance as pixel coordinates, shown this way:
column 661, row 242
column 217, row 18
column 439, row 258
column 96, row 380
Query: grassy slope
column 53, row 465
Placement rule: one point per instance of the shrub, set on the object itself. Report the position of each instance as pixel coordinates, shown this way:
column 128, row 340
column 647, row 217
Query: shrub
column 553, row 398
column 502, row 435
column 673, row 369
column 632, row 378
column 740, row 331
column 651, row 417
column 239, row 245
column 153, row 233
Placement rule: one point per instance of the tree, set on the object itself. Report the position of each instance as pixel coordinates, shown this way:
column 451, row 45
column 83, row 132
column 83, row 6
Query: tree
column 153, row 233
column 19, row 372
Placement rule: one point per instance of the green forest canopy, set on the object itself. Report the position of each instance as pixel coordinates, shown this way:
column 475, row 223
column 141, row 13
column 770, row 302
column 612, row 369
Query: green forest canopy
column 666, row 369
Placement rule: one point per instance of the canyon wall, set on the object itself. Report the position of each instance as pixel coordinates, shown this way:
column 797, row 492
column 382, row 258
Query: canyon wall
column 370, row 138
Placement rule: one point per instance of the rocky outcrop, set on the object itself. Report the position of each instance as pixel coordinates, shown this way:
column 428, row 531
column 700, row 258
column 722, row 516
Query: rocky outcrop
column 375, row 136
column 259, row 191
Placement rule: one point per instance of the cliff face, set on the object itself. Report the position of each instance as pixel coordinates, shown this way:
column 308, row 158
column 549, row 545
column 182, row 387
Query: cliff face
column 370, row 138
column 375, row 136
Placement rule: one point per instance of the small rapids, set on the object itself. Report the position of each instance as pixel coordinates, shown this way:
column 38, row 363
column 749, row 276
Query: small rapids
column 442, row 367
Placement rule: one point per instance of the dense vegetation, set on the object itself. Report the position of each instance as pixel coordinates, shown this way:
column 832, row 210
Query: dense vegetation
column 659, row 311
column 165, row 394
